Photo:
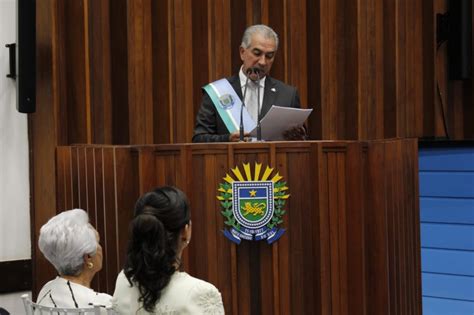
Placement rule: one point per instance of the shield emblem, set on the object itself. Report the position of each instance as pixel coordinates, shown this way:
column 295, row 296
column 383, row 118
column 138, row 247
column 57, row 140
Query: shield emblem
column 253, row 208
column 226, row 101
column 253, row 203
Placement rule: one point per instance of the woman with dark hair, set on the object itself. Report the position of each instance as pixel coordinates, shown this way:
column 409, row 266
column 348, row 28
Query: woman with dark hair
column 151, row 282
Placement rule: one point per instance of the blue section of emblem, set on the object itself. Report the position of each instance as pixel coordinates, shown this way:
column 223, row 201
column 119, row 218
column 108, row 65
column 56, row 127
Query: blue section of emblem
column 230, row 235
column 253, row 192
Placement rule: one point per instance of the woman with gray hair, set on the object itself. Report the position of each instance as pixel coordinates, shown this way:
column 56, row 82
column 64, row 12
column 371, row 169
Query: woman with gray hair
column 71, row 245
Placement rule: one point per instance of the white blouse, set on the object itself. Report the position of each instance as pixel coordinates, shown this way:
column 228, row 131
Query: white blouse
column 60, row 292
column 183, row 295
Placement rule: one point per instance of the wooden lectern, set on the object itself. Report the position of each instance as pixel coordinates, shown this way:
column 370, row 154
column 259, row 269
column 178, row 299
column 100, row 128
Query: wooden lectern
column 352, row 240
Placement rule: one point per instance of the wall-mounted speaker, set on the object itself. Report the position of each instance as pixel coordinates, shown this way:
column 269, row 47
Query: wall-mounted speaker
column 26, row 56
column 460, row 39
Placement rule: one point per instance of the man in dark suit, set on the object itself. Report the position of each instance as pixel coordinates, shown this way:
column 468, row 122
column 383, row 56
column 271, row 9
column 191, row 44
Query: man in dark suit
column 257, row 51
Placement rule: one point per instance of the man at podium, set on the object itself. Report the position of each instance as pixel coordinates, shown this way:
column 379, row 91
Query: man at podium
column 243, row 99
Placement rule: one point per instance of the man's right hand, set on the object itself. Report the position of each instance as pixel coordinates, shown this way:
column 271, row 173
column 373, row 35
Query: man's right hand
column 295, row 133
column 235, row 136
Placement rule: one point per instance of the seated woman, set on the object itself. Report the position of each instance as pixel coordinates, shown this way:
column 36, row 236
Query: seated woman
column 150, row 282
column 71, row 244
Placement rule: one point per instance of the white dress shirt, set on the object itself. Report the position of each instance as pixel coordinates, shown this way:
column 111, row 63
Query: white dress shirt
column 252, row 94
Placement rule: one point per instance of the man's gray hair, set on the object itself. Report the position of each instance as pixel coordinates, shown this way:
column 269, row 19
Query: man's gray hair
column 65, row 239
column 264, row 30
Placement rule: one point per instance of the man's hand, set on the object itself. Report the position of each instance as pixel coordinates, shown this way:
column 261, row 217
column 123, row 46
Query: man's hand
column 295, row 133
column 235, row 136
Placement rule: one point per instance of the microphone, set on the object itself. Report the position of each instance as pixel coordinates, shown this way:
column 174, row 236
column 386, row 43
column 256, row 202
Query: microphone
column 241, row 136
column 257, row 71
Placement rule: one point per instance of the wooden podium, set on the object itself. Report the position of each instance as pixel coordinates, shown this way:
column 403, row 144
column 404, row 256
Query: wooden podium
column 352, row 241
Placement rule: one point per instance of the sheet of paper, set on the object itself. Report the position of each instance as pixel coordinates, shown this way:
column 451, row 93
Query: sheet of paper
column 278, row 119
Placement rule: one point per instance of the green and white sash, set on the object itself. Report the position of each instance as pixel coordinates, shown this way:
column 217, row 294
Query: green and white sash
column 228, row 105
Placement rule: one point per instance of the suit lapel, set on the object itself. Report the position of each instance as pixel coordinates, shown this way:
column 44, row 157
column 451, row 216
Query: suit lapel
column 269, row 96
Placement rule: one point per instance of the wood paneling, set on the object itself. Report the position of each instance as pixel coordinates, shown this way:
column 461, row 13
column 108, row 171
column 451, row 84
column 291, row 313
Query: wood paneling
column 140, row 71
column 351, row 244
column 131, row 72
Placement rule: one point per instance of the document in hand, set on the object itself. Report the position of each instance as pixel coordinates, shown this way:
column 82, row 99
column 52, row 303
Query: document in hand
column 279, row 119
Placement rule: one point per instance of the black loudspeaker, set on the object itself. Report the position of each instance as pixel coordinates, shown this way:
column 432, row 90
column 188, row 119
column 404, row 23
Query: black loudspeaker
column 460, row 39
column 26, row 56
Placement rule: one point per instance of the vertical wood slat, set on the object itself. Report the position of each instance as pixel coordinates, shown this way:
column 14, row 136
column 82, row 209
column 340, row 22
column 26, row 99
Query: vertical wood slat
column 315, row 74
column 140, row 81
column 99, row 182
column 119, row 75
column 377, row 232
column 325, row 245
column 146, row 169
column 87, row 77
column 329, row 70
column 74, row 69
column 370, row 76
column 357, row 287
column 349, row 30
column 296, row 49
column 182, row 65
column 389, row 65
column 108, row 234
column 333, row 225
column 125, row 172
column 99, row 63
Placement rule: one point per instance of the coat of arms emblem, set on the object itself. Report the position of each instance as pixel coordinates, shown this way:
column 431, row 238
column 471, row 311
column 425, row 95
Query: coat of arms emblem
column 226, row 101
column 253, row 204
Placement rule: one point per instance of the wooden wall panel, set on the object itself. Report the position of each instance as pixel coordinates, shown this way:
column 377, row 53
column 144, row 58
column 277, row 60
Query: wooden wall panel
column 131, row 72
column 351, row 244
column 43, row 140
column 100, row 70
column 119, row 73
column 74, row 53
column 140, row 76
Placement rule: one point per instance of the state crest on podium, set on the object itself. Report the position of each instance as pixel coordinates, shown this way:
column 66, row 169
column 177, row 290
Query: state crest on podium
column 253, row 205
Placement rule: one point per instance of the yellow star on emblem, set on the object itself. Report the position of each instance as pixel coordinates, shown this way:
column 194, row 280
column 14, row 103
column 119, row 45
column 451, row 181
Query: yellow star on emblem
column 253, row 193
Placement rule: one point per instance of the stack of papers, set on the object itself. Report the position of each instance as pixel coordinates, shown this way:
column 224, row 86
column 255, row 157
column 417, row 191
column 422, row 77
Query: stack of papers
column 279, row 119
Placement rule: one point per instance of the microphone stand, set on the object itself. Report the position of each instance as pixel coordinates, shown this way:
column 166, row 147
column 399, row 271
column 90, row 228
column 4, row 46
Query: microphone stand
column 259, row 129
column 241, row 136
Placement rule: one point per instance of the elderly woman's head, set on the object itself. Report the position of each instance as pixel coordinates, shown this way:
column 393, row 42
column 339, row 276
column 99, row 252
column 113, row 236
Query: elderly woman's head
column 71, row 244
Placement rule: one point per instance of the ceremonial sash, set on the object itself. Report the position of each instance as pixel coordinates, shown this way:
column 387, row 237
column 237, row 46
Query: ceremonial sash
column 228, row 105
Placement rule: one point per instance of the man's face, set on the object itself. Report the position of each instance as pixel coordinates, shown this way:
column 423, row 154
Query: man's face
column 260, row 54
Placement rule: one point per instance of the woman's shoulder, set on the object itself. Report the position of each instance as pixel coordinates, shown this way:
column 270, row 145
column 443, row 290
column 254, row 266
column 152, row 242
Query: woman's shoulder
column 102, row 299
column 63, row 293
column 202, row 297
column 122, row 284
column 184, row 279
